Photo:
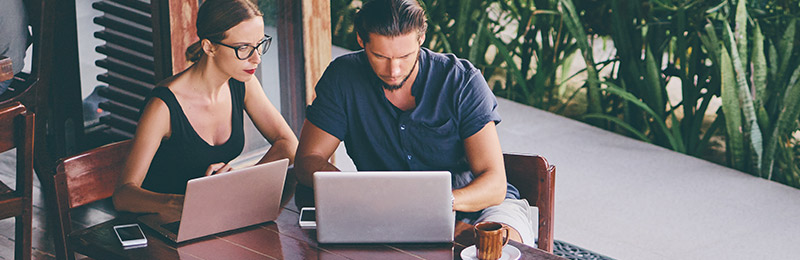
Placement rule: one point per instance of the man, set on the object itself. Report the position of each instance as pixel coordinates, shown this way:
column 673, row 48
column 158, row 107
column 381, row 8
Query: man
column 398, row 106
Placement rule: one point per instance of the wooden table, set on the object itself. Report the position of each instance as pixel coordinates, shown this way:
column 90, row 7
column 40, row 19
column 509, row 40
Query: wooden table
column 281, row 239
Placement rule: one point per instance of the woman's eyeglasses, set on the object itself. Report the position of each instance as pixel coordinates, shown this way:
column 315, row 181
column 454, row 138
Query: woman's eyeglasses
column 245, row 51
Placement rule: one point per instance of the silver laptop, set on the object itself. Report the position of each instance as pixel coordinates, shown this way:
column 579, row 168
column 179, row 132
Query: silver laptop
column 226, row 201
column 384, row 207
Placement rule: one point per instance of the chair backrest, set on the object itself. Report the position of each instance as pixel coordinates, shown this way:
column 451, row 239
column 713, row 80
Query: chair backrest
column 52, row 88
column 16, row 131
column 82, row 179
column 535, row 180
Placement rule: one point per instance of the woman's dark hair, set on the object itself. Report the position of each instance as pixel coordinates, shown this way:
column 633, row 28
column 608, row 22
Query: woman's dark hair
column 390, row 18
column 215, row 17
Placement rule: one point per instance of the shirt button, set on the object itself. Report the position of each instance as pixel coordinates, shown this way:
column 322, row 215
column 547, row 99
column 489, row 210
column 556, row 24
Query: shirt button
column 409, row 157
column 402, row 127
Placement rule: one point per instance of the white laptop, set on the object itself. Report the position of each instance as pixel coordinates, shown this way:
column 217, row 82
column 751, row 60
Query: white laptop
column 226, row 201
column 384, row 207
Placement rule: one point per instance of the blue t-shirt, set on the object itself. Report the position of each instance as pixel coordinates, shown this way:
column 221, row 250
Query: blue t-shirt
column 453, row 102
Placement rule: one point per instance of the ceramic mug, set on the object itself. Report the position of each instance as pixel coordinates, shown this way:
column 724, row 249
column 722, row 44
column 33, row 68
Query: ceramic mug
column 490, row 237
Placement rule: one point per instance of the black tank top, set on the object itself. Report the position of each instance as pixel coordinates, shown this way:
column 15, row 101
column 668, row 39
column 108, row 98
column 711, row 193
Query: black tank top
column 185, row 155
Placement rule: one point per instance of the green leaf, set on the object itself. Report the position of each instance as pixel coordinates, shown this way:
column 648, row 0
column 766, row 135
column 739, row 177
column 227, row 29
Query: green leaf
column 477, row 45
column 773, row 59
column 717, row 7
column 703, row 145
column 511, row 66
column 616, row 90
column 655, row 88
column 732, row 110
column 621, row 123
column 786, row 46
column 784, row 125
column 740, row 30
column 571, row 20
column 759, row 67
column 752, row 132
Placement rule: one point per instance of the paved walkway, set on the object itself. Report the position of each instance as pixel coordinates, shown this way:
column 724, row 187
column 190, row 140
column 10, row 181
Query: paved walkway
column 627, row 199
column 632, row 200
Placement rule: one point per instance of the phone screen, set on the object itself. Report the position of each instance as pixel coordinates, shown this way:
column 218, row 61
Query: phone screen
column 308, row 215
column 130, row 233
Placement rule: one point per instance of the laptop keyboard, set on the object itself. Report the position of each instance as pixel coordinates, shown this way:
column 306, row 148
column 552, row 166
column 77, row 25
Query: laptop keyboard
column 172, row 227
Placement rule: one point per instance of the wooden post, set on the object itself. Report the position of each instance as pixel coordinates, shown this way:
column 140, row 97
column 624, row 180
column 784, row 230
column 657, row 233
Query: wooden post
column 317, row 42
column 304, row 29
column 173, row 30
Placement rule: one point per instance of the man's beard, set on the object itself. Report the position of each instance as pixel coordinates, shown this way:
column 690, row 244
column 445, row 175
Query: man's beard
column 398, row 86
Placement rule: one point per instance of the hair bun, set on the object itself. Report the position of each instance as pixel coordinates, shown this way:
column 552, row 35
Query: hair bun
column 195, row 51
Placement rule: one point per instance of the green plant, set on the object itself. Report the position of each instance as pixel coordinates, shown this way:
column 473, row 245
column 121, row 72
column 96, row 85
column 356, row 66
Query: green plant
column 750, row 62
column 523, row 42
column 741, row 52
column 655, row 42
column 342, row 14
column 758, row 82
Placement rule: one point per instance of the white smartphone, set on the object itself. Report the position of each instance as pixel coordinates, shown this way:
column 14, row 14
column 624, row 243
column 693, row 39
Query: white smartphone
column 130, row 235
column 308, row 218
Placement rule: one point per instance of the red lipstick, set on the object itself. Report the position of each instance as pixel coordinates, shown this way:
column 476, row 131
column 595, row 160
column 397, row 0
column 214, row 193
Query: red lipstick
column 251, row 71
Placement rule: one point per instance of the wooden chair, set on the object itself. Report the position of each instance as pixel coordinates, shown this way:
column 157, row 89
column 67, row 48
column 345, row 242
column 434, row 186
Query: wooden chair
column 52, row 88
column 535, row 180
column 16, row 131
column 80, row 180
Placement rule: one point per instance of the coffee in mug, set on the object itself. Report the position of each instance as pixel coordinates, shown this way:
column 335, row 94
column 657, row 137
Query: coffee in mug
column 490, row 237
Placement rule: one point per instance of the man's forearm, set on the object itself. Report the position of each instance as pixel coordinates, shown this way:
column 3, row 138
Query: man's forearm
column 483, row 192
column 307, row 165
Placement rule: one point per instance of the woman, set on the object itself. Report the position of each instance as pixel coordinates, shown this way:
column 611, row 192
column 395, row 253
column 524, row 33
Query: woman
column 192, row 123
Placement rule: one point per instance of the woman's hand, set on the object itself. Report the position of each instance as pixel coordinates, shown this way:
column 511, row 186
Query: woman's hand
column 172, row 209
column 218, row 168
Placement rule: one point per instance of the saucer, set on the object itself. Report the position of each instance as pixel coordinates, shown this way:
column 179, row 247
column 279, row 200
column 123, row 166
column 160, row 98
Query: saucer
column 509, row 253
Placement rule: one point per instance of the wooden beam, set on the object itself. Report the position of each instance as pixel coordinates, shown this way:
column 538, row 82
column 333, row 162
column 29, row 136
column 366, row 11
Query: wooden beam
column 291, row 61
column 173, row 31
column 317, row 42
column 182, row 20
column 304, row 33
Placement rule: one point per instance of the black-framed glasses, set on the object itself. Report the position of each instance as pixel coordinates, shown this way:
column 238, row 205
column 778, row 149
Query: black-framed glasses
column 245, row 51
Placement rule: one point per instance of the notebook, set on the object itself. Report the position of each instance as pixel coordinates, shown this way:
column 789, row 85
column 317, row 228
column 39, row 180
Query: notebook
column 226, row 201
column 384, row 207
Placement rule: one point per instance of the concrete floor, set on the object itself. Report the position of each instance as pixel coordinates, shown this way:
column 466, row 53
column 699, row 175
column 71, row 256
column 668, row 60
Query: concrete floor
column 628, row 199
column 632, row 200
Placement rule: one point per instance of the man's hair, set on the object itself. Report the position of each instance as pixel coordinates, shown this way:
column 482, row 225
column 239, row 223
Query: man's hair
column 390, row 18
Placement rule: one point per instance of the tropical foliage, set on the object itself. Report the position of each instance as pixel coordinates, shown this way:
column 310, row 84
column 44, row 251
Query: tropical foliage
column 740, row 53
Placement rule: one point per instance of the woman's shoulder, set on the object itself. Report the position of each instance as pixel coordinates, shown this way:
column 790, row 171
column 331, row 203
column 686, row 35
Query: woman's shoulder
column 171, row 87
